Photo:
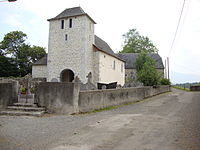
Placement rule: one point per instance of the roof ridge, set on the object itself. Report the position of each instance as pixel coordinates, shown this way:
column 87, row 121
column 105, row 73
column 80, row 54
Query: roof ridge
column 81, row 9
column 71, row 12
column 105, row 47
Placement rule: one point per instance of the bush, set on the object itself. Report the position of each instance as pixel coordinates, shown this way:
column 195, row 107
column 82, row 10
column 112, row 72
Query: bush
column 165, row 81
column 146, row 72
column 23, row 90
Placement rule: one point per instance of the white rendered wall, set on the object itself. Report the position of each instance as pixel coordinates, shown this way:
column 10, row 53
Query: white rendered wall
column 107, row 73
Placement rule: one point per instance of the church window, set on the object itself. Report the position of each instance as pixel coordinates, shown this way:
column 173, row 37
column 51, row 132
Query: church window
column 122, row 67
column 62, row 24
column 66, row 37
column 70, row 23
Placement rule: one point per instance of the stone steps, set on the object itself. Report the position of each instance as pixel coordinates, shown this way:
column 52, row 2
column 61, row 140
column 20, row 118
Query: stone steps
column 25, row 104
column 22, row 113
column 23, row 109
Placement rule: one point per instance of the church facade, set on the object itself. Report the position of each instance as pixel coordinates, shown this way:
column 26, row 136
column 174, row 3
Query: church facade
column 75, row 51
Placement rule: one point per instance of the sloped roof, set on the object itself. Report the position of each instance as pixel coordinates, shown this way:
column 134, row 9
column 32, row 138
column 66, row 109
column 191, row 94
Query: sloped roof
column 130, row 59
column 100, row 44
column 104, row 47
column 71, row 12
column 42, row 61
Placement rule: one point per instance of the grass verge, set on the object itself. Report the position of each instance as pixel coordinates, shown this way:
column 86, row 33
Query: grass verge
column 107, row 108
column 181, row 88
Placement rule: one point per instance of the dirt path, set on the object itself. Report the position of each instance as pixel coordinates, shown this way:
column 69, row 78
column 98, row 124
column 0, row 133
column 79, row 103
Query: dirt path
column 169, row 121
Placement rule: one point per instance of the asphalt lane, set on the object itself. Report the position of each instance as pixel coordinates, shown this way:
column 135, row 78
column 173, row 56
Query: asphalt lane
column 169, row 121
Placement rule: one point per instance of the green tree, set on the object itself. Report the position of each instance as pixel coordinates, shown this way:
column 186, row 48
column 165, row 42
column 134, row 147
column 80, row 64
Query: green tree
column 135, row 43
column 141, row 59
column 165, row 81
column 13, row 42
column 8, row 67
column 23, row 55
column 146, row 72
column 35, row 53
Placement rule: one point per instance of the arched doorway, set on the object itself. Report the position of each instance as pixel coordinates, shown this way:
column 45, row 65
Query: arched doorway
column 67, row 75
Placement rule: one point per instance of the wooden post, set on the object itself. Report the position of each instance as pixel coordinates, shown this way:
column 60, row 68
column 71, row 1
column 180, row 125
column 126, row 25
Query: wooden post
column 168, row 66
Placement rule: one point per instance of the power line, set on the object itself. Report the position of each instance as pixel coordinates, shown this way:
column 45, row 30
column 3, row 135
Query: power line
column 177, row 28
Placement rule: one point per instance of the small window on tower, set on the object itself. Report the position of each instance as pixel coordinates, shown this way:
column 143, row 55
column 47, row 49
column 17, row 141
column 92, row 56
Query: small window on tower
column 66, row 37
column 62, row 24
column 70, row 23
column 114, row 65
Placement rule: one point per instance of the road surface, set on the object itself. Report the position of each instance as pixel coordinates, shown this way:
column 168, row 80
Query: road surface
column 169, row 121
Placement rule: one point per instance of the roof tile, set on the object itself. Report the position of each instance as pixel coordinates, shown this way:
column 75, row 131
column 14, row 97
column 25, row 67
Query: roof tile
column 130, row 59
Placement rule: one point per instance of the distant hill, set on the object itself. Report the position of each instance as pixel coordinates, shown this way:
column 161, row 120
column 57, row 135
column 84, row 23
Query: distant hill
column 176, row 77
column 186, row 85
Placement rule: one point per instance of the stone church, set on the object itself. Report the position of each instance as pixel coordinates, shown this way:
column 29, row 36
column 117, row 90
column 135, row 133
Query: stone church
column 75, row 51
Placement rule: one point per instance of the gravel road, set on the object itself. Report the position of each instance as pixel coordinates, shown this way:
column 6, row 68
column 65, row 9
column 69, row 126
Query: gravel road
column 169, row 121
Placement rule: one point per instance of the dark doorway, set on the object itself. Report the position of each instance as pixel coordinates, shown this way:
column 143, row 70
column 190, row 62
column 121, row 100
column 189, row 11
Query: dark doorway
column 67, row 75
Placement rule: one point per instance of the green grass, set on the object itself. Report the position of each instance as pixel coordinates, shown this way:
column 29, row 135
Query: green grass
column 196, row 85
column 181, row 88
column 108, row 108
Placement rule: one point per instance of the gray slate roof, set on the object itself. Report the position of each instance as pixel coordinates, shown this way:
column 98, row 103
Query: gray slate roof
column 130, row 59
column 71, row 12
column 104, row 47
column 42, row 61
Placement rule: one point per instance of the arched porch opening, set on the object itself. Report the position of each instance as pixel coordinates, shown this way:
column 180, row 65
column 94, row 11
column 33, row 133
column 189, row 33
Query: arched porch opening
column 67, row 75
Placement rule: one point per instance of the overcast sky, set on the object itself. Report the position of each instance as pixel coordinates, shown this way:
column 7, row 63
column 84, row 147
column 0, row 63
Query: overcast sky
column 156, row 19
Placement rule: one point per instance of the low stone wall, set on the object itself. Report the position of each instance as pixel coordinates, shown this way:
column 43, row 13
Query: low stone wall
column 66, row 98
column 195, row 88
column 57, row 97
column 8, row 93
column 90, row 100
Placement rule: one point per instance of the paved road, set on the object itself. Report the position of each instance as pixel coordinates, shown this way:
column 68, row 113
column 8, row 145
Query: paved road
column 169, row 121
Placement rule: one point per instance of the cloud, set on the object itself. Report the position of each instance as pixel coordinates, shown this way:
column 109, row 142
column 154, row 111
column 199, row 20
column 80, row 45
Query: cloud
column 14, row 21
column 156, row 19
column 46, row 8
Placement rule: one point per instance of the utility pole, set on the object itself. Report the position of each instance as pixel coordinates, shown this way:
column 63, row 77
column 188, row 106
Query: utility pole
column 165, row 73
column 168, row 67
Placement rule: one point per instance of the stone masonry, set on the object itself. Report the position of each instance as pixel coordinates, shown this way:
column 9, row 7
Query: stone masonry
column 75, row 53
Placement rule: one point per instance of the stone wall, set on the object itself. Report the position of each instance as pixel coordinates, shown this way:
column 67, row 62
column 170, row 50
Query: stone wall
column 39, row 71
column 61, row 98
column 75, row 52
column 195, row 88
column 8, row 93
column 91, row 100
column 130, row 74
column 66, row 98
column 24, row 82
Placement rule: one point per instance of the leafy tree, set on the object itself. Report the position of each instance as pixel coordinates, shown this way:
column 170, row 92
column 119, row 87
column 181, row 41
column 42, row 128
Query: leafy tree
column 23, row 55
column 165, row 81
column 135, row 43
column 13, row 42
column 146, row 72
column 35, row 53
column 141, row 59
column 8, row 67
